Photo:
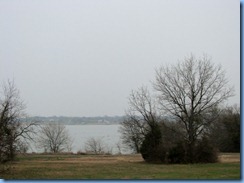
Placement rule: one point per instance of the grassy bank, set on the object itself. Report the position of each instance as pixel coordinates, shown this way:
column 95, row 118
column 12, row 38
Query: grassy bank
column 117, row 167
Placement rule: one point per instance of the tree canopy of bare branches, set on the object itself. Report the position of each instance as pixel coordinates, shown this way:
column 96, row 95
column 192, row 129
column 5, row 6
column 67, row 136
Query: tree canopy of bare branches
column 142, row 107
column 95, row 146
column 141, row 119
column 132, row 132
column 190, row 91
column 12, row 130
column 54, row 137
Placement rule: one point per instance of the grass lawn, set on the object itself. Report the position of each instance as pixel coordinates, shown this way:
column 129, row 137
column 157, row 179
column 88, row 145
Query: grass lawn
column 117, row 167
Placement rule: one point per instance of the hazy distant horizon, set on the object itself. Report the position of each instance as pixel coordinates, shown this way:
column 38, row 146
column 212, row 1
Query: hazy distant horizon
column 83, row 58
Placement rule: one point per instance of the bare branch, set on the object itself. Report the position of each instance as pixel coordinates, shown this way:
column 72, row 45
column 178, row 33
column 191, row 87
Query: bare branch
column 190, row 89
column 12, row 130
column 54, row 138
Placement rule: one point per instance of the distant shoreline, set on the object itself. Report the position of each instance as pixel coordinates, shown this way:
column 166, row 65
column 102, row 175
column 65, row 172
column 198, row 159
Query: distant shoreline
column 105, row 120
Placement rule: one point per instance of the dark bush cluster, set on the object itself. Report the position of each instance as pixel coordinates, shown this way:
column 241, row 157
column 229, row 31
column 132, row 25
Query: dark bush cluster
column 151, row 149
column 225, row 133
column 206, row 152
column 158, row 148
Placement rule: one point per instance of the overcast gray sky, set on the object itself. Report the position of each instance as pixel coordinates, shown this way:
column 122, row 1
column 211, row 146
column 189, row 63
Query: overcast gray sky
column 83, row 57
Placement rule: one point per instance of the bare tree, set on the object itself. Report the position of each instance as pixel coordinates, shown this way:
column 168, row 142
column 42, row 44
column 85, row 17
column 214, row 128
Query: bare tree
column 143, row 106
column 190, row 91
column 133, row 132
column 140, row 130
column 95, row 146
column 13, row 131
column 54, row 137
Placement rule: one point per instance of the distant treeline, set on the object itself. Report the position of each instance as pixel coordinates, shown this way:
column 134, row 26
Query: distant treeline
column 99, row 120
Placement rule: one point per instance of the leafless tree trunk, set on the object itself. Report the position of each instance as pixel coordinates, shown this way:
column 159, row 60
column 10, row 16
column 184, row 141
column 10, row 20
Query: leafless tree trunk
column 190, row 91
column 12, row 129
column 54, row 137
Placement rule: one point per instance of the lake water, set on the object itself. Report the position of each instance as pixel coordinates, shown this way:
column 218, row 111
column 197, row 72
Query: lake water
column 109, row 135
column 81, row 133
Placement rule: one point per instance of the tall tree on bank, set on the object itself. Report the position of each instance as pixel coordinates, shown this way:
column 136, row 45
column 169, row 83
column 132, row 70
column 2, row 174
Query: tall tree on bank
column 13, row 132
column 190, row 92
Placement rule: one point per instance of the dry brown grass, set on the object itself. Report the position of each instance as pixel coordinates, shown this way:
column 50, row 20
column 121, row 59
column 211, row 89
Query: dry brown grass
column 108, row 159
column 229, row 157
column 117, row 167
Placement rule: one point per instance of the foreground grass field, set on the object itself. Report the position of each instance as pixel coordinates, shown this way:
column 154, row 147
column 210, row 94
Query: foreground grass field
column 117, row 167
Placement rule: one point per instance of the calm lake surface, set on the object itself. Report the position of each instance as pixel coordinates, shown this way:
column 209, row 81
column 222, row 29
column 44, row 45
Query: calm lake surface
column 109, row 135
column 81, row 133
